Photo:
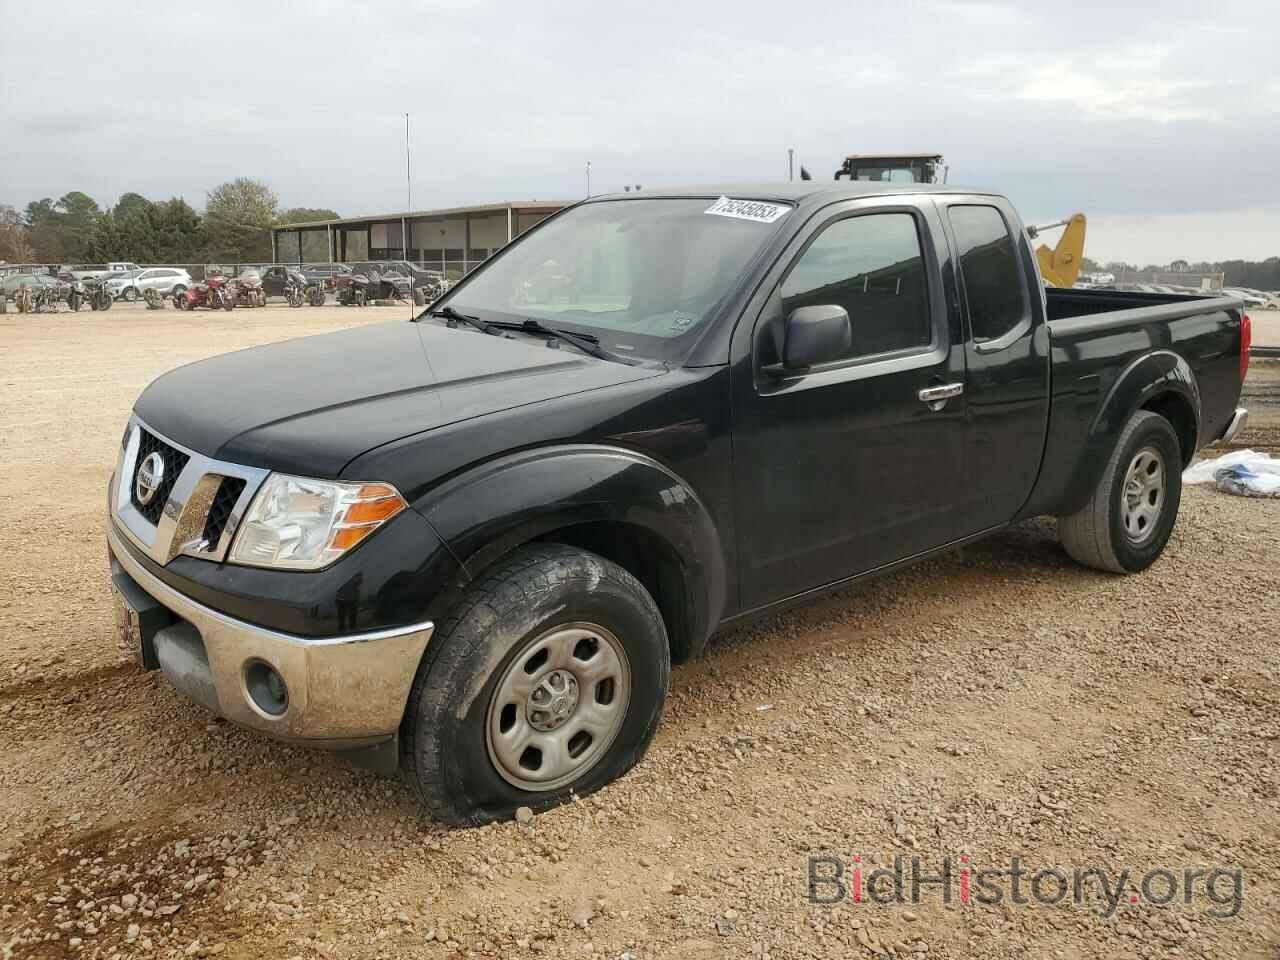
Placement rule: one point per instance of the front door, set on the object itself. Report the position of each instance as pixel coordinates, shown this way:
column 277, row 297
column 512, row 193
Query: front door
column 846, row 467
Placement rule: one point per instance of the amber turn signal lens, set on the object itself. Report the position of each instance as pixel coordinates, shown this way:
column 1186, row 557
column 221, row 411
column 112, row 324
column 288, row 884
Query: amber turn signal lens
column 348, row 537
column 373, row 511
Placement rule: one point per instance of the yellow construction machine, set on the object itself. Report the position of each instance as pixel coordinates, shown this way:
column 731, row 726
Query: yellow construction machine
column 1060, row 267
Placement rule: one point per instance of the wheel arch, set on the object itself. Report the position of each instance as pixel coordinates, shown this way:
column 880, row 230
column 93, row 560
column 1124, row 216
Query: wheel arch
column 617, row 503
column 1160, row 381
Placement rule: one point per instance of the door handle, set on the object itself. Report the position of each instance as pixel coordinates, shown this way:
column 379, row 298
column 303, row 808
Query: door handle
column 937, row 397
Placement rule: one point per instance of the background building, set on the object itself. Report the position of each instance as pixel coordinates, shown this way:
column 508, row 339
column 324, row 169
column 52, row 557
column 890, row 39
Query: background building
column 453, row 240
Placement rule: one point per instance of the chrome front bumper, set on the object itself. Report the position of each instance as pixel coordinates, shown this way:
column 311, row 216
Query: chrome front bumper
column 1238, row 420
column 343, row 692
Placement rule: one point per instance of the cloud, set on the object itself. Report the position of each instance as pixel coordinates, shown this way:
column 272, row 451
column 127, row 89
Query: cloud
column 1117, row 109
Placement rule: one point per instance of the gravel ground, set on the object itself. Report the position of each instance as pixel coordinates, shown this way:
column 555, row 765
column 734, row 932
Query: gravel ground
column 993, row 704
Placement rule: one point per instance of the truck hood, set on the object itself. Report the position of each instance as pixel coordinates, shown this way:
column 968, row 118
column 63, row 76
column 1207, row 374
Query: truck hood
column 309, row 406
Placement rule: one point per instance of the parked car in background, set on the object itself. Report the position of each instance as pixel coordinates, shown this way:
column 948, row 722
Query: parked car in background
column 395, row 282
column 325, row 274
column 133, row 284
column 119, row 266
column 12, row 282
column 291, row 283
column 1251, row 298
column 433, row 280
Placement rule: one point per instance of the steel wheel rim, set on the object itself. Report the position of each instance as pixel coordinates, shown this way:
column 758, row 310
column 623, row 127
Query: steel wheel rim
column 1142, row 498
column 558, row 706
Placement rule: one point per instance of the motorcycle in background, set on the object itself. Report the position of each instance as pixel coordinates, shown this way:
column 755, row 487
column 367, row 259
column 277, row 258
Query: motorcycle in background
column 93, row 291
column 280, row 280
column 246, row 290
column 357, row 289
column 212, row 293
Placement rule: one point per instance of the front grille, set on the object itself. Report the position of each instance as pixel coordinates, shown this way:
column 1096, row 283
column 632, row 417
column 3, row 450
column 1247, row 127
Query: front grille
column 224, row 501
column 175, row 461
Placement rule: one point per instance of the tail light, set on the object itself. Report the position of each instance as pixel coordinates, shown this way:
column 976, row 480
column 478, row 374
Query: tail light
column 1246, row 341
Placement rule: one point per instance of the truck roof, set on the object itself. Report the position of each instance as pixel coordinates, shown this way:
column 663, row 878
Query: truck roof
column 799, row 191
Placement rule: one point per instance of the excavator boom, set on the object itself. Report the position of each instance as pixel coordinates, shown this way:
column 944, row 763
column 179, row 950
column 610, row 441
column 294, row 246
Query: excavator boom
column 1060, row 267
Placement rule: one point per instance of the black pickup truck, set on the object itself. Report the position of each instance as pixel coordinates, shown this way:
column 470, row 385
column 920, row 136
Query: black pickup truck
column 472, row 545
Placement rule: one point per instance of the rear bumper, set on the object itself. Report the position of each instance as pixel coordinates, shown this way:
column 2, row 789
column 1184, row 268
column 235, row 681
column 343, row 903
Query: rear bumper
column 342, row 692
column 1236, row 424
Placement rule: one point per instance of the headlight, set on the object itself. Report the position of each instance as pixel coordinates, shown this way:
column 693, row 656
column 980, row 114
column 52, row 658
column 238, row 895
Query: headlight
column 299, row 524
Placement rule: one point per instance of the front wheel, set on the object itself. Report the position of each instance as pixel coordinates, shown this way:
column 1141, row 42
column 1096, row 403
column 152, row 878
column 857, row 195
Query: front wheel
column 547, row 680
column 1130, row 516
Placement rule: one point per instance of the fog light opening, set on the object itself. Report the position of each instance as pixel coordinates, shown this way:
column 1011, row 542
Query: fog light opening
column 266, row 688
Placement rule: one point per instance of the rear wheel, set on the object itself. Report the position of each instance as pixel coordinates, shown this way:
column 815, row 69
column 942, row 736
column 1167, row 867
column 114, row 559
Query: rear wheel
column 547, row 681
column 1130, row 516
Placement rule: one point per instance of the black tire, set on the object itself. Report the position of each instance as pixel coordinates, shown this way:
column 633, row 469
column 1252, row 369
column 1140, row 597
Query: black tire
column 316, row 297
column 1096, row 535
column 130, row 294
column 444, row 747
column 177, row 291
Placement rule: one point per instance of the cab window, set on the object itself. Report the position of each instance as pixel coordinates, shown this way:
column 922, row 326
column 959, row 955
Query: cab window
column 873, row 266
column 993, row 287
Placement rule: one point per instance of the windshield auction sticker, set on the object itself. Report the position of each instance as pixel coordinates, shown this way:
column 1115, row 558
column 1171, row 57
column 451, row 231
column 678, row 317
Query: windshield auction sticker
column 755, row 210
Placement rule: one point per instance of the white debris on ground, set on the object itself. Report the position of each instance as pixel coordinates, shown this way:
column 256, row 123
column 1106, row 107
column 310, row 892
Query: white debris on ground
column 1244, row 473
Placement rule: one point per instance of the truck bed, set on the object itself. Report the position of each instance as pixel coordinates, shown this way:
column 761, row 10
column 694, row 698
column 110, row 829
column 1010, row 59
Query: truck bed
column 1065, row 304
column 1189, row 343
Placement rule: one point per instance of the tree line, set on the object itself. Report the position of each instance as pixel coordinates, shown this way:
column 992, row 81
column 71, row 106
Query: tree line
column 234, row 227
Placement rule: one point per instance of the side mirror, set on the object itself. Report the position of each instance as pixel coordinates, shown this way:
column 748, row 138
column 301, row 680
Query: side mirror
column 814, row 335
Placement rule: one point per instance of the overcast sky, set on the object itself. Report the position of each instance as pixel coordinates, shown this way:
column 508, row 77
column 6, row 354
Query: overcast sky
column 1160, row 120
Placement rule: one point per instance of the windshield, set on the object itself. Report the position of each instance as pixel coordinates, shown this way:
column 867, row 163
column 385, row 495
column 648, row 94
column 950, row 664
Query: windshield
column 642, row 275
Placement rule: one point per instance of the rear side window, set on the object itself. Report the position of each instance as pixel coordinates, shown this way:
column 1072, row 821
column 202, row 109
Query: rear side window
column 989, row 266
column 873, row 267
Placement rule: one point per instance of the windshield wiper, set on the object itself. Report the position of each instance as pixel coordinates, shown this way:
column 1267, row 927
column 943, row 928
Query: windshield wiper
column 454, row 318
column 585, row 342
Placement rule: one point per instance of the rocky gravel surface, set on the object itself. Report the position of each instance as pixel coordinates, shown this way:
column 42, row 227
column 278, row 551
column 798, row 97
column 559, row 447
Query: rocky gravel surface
column 995, row 704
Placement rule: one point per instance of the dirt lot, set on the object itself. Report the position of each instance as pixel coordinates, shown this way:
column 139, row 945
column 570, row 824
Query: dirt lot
column 997, row 704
